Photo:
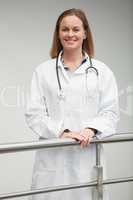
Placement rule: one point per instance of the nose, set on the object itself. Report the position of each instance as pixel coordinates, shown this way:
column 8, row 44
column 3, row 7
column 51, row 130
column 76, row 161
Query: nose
column 70, row 33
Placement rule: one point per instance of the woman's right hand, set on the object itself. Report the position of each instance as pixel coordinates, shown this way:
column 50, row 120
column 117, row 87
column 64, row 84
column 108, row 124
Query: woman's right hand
column 72, row 135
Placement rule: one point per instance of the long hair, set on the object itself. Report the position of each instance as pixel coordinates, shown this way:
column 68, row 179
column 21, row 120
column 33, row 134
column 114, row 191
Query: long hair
column 87, row 43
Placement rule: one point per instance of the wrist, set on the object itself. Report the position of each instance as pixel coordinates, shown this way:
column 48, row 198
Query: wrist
column 92, row 129
column 66, row 133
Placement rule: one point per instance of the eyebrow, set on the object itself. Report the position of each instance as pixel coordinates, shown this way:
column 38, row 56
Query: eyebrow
column 64, row 26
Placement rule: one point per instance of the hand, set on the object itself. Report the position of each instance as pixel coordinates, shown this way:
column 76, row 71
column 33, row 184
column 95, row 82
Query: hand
column 87, row 135
column 72, row 135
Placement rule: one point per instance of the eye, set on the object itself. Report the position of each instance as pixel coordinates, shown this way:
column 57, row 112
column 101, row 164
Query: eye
column 76, row 29
column 64, row 29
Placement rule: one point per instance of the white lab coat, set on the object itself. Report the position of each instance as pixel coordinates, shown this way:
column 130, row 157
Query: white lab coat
column 90, row 101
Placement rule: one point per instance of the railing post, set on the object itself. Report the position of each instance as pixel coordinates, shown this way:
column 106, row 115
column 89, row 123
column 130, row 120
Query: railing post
column 99, row 171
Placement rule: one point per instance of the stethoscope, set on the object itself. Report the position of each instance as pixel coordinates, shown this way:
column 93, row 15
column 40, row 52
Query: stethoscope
column 61, row 92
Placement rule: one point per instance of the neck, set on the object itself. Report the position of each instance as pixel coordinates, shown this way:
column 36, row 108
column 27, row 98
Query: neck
column 72, row 59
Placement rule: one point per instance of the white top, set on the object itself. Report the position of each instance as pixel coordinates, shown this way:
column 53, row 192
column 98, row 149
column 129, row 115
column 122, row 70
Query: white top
column 90, row 101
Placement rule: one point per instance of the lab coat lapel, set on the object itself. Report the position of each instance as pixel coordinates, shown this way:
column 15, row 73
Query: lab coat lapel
column 80, row 70
column 61, row 68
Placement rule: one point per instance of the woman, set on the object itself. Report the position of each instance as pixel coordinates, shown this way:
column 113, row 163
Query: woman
column 72, row 96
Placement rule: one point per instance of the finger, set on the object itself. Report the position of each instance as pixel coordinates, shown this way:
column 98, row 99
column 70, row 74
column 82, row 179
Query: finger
column 84, row 143
column 90, row 139
column 77, row 137
column 85, row 139
column 81, row 137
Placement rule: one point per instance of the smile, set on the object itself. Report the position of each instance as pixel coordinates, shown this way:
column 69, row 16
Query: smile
column 70, row 41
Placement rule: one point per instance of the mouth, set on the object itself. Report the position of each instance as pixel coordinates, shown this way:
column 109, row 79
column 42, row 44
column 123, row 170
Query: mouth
column 70, row 41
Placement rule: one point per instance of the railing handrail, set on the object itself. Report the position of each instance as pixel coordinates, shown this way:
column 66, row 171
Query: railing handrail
column 63, row 187
column 46, row 143
column 24, row 146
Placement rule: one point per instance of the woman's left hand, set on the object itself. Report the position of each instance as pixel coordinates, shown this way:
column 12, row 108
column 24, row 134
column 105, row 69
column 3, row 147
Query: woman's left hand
column 87, row 134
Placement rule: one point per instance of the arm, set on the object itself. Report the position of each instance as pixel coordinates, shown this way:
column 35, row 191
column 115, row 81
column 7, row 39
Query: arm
column 37, row 115
column 108, row 113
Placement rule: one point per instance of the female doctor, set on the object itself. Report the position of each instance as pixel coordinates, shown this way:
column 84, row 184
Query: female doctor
column 73, row 96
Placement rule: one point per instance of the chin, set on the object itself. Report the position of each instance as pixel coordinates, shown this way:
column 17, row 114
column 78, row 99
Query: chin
column 71, row 48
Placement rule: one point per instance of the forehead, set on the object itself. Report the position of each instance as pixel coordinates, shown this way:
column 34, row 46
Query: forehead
column 71, row 20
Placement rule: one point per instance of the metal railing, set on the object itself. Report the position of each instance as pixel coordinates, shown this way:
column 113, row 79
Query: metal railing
column 98, row 183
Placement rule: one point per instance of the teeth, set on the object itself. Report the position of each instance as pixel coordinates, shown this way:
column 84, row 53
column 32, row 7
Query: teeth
column 70, row 40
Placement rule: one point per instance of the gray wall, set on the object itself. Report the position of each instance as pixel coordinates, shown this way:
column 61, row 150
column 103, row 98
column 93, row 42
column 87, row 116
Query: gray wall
column 26, row 29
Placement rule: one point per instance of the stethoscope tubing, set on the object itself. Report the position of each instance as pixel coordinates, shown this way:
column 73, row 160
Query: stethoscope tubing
column 86, row 71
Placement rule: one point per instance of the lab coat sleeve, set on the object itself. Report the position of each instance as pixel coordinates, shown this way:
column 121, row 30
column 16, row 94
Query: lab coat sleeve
column 105, row 122
column 36, row 114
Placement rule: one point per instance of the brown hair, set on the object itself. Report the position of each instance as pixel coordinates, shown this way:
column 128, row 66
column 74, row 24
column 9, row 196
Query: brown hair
column 87, row 43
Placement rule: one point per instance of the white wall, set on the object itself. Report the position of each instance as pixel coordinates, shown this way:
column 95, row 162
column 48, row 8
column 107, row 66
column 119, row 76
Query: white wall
column 26, row 29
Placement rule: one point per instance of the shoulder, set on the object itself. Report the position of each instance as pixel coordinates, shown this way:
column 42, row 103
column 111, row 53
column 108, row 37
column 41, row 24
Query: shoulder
column 46, row 66
column 103, row 69
column 105, row 74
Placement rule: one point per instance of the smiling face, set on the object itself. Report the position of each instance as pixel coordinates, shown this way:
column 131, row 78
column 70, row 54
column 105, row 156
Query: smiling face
column 71, row 33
